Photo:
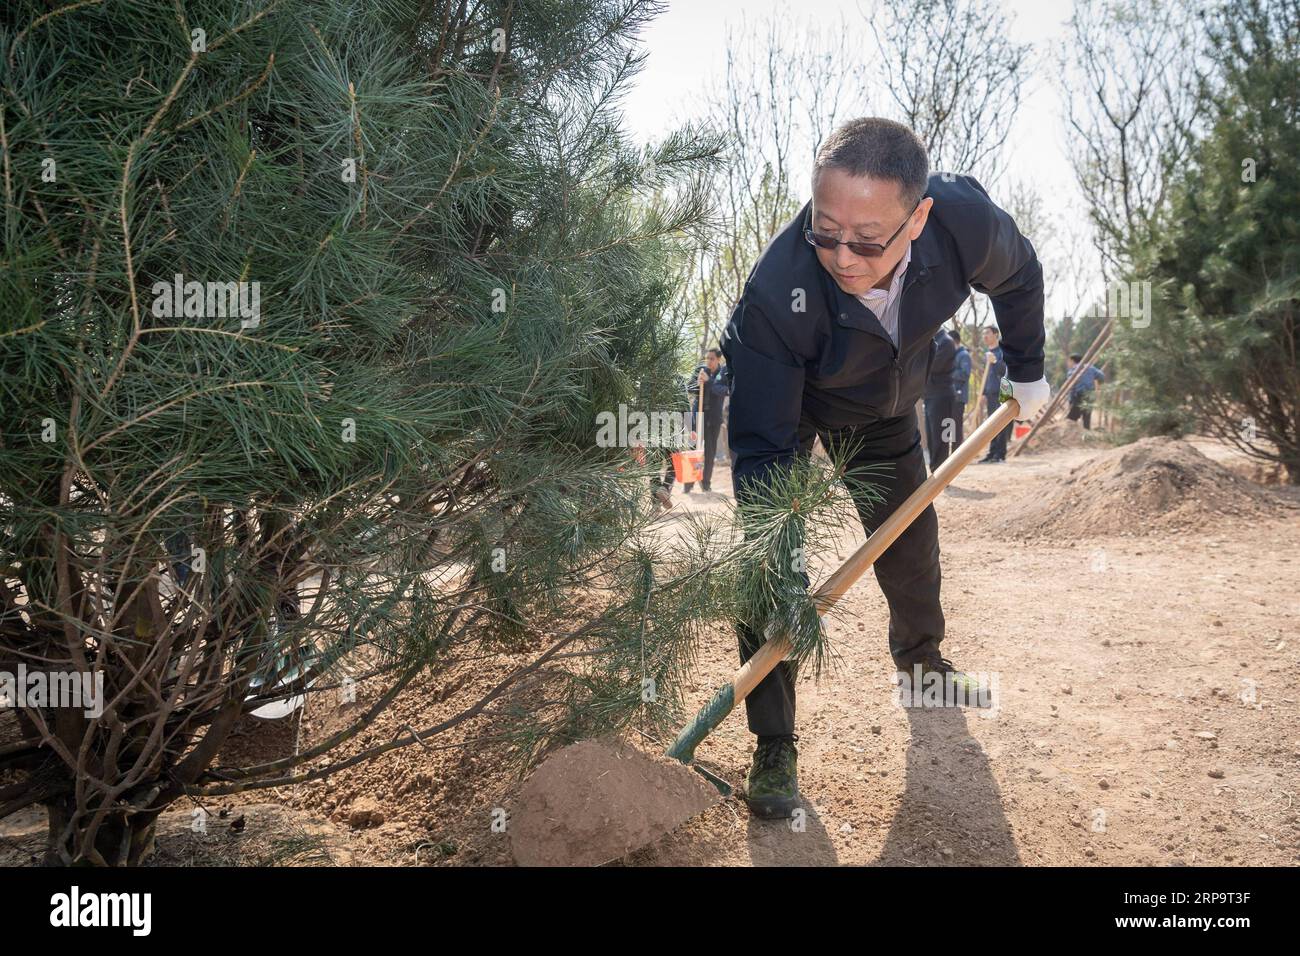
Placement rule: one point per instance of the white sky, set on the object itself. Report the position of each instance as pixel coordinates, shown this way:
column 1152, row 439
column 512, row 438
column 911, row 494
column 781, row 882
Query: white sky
column 684, row 46
column 684, row 52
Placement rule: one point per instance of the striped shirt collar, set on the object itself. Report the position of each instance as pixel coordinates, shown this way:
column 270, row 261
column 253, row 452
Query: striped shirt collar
column 883, row 303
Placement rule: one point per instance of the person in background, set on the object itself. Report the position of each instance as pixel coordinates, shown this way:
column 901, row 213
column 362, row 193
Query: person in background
column 939, row 400
column 714, row 378
column 663, row 490
column 1083, row 392
column 961, row 366
column 663, row 487
column 724, row 446
column 992, row 383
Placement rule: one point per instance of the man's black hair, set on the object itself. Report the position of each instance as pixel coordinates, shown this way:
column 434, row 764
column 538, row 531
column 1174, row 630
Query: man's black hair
column 881, row 149
column 955, row 335
column 1076, row 357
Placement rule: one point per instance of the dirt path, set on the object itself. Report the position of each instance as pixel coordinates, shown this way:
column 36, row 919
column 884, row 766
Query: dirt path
column 1122, row 736
column 1147, row 688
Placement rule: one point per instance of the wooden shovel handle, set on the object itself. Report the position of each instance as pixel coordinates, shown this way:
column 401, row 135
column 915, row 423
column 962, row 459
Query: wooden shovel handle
column 776, row 648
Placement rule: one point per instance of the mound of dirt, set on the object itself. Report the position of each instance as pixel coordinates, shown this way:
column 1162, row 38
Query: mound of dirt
column 1063, row 434
column 1156, row 484
column 597, row 800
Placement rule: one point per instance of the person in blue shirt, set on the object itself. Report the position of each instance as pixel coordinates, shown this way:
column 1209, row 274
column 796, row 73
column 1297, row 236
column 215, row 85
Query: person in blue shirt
column 1084, row 391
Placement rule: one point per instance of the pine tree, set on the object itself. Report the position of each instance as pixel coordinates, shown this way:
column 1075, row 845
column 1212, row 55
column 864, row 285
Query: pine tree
column 309, row 310
column 1222, row 350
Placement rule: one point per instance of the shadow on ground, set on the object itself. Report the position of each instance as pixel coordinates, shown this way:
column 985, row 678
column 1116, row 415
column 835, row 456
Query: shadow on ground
column 969, row 494
column 799, row 841
column 951, row 809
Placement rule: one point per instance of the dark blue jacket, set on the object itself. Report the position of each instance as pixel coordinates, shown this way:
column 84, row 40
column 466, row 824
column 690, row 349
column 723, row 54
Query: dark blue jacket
column 716, row 392
column 961, row 366
column 939, row 383
column 993, row 381
column 833, row 365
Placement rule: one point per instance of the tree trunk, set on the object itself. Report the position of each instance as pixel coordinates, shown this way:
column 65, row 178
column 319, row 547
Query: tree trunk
column 123, row 839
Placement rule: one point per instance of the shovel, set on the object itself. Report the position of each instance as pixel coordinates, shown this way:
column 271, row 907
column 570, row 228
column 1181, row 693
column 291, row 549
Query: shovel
column 561, row 842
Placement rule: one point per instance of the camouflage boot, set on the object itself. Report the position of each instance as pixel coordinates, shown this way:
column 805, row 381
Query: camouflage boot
column 772, row 787
column 935, row 682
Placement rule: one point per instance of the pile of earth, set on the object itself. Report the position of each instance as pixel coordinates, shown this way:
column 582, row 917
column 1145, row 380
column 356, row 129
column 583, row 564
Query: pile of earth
column 597, row 800
column 1063, row 434
column 1156, row 484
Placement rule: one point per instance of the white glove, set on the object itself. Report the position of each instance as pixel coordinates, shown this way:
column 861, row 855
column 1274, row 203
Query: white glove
column 1032, row 396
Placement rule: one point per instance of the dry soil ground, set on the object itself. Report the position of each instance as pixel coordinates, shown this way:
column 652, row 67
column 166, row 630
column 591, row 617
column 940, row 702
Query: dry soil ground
column 1148, row 705
column 1146, row 715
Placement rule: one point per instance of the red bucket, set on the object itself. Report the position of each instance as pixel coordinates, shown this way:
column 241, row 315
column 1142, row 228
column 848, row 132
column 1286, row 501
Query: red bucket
column 688, row 466
column 1021, row 430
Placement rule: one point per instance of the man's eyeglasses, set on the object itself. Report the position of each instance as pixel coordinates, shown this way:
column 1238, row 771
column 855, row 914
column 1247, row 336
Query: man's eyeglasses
column 869, row 250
